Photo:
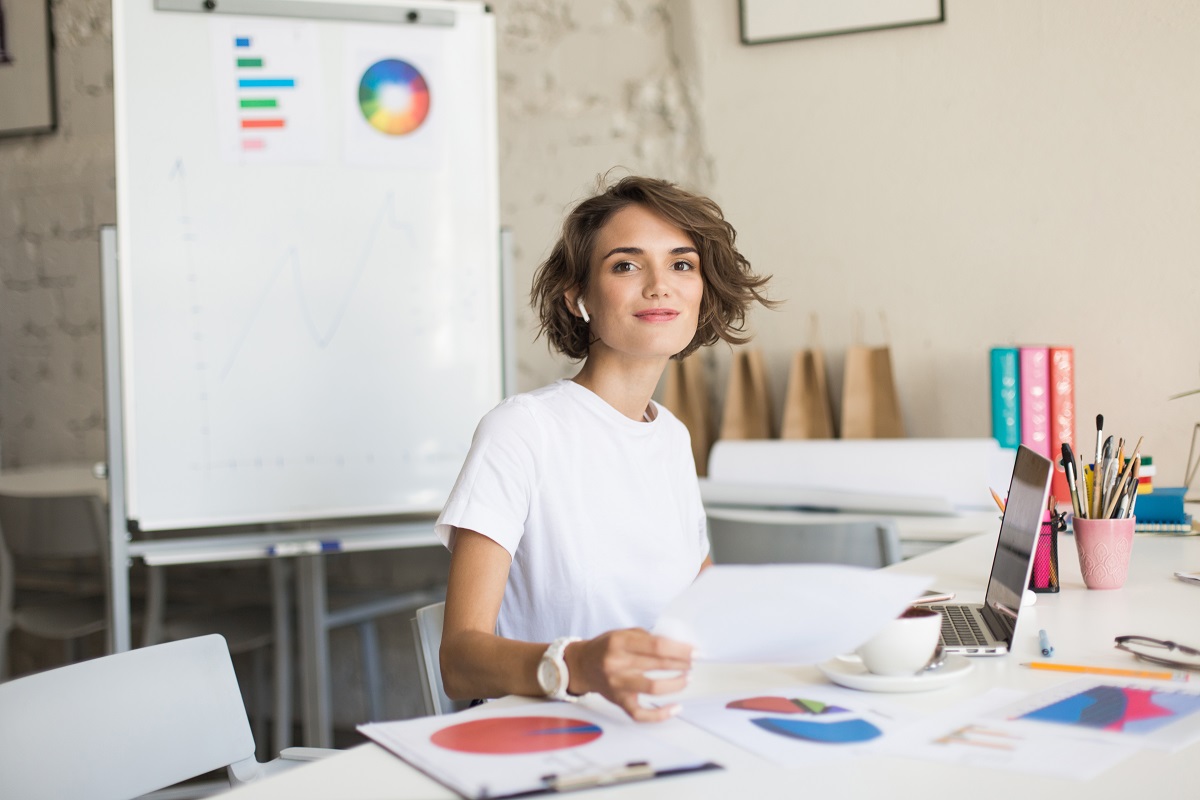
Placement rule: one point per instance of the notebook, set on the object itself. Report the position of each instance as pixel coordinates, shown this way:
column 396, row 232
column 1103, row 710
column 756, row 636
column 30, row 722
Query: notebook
column 987, row 629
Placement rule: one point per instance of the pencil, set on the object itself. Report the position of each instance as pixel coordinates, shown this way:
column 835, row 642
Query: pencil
column 996, row 497
column 1124, row 673
column 1126, row 471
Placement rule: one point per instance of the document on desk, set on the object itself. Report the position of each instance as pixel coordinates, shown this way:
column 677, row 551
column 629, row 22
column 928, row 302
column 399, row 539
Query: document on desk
column 1161, row 715
column 800, row 726
column 786, row 613
column 539, row 747
column 976, row 733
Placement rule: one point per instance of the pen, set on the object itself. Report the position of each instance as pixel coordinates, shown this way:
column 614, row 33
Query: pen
column 1127, row 470
column 1093, row 507
column 304, row 548
column 1134, row 477
column 1124, row 673
column 1044, row 642
column 1068, row 464
column 1109, row 473
column 1083, row 495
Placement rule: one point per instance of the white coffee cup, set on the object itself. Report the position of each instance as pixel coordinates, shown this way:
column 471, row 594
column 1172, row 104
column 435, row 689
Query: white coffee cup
column 905, row 645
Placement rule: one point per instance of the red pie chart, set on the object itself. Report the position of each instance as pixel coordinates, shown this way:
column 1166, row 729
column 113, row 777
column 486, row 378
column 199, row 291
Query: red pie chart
column 506, row 735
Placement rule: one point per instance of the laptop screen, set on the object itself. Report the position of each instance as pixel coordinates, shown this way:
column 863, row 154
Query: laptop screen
column 1027, row 496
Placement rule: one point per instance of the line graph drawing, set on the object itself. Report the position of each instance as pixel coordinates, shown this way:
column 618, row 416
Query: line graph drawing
column 289, row 263
column 178, row 176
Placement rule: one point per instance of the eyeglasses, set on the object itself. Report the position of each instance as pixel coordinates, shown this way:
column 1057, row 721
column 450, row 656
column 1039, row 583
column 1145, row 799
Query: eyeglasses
column 1156, row 650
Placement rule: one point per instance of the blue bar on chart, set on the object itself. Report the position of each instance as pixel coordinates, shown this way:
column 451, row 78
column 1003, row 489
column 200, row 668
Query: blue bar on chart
column 266, row 83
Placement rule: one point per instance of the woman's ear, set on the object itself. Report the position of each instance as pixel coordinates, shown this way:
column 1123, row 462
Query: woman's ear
column 575, row 302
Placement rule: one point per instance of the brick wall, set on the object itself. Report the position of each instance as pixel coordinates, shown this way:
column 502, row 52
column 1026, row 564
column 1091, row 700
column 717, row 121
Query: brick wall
column 55, row 190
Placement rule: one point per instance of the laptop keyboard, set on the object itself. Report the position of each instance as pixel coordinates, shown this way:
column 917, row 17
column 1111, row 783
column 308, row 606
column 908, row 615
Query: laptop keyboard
column 960, row 628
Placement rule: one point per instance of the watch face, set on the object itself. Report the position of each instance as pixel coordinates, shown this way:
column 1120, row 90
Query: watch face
column 547, row 675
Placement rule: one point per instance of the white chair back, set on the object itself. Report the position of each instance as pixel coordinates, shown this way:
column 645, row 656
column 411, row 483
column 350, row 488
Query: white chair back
column 120, row 726
column 427, row 636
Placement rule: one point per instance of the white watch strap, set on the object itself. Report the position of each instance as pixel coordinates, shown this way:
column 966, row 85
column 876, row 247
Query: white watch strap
column 555, row 653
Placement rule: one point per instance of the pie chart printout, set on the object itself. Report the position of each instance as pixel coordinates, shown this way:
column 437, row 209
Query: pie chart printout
column 785, row 705
column 849, row 731
column 509, row 735
column 799, row 724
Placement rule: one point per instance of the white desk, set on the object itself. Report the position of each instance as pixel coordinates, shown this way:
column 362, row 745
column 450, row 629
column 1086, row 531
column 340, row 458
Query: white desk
column 54, row 480
column 1081, row 623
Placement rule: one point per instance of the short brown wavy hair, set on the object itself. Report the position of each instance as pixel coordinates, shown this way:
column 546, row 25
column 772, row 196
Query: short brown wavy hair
column 730, row 286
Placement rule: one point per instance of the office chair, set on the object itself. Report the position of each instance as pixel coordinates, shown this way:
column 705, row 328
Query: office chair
column 427, row 636
column 123, row 725
column 45, row 531
column 59, row 534
column 750, row 536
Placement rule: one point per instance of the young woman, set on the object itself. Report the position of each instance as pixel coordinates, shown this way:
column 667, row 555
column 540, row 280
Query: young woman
column 577, row 515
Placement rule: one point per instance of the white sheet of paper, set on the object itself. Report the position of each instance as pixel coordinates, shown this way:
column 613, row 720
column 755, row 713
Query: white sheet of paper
column 973, row 735
column 789, row 613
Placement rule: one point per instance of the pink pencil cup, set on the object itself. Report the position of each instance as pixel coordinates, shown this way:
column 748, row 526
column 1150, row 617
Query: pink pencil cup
column 1104, row 546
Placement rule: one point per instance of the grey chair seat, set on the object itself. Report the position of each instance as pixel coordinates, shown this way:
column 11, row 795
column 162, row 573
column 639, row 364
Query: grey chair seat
column 61, row 619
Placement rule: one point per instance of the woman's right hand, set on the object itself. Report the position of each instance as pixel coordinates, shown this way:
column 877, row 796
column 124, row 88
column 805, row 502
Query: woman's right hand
column 615, row 664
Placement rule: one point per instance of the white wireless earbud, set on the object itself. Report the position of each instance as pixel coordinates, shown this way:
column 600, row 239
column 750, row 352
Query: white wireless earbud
column 583, row 310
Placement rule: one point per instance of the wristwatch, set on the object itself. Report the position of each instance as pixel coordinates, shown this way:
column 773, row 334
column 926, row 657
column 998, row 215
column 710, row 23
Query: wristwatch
column 552, row 673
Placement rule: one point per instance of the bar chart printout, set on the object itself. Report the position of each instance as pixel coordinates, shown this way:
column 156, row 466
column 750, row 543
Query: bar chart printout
column 266, row 81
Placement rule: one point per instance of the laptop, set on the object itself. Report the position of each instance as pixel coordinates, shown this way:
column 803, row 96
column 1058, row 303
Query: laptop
column 987, row 629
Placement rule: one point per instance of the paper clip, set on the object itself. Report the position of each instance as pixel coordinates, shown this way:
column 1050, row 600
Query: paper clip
column 633, row 771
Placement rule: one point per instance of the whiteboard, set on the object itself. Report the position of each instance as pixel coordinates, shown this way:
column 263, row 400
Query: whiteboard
column 309, row 281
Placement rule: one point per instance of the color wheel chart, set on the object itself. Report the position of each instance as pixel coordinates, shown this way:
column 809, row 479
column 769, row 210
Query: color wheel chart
column 509, row 735
column 1120, row 709
column 260, row 95
column 393, row 97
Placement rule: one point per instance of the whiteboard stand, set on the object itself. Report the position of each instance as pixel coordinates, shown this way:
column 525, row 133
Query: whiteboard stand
column 308, row 543
column 118, row 528
column 508, row 305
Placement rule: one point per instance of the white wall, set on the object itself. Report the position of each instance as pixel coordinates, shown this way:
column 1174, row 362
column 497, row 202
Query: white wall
column 1025, row 172
column 922, row 172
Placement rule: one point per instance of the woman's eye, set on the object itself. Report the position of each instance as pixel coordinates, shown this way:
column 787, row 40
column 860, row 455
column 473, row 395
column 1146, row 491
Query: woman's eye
column 624, row 266
column 684, row 265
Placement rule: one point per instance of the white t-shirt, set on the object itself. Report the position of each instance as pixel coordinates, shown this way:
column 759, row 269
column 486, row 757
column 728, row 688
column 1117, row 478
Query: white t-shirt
column 601, row 514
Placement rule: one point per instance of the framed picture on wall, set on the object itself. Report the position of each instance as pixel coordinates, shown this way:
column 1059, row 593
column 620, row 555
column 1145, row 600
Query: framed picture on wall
column 26, row 68
column 764, row 21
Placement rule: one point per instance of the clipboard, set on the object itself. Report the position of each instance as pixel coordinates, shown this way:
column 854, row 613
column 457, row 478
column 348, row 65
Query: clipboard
column 539, row 748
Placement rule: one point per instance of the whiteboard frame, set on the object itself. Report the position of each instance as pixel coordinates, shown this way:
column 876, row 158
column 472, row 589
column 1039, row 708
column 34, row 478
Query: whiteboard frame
column 432, row 12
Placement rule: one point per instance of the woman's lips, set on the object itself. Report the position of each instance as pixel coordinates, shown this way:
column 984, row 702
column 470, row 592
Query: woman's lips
column 657, row 315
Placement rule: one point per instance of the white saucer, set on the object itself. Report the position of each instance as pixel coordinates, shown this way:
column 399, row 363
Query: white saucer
column 849, row 671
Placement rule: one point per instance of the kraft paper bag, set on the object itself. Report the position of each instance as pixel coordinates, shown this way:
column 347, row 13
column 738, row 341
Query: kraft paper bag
column 870, row 404
column 686, row 395
column 808, row 408
column 747, row 412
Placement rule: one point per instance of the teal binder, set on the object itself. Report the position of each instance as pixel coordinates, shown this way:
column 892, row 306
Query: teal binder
column 1006, row 397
